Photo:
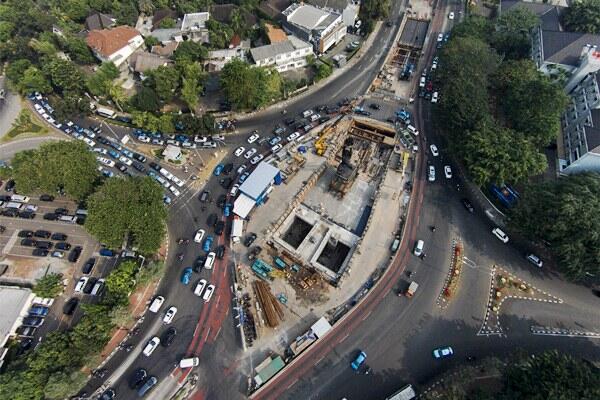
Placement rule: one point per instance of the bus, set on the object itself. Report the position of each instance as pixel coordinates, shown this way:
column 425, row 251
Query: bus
column 105, row 112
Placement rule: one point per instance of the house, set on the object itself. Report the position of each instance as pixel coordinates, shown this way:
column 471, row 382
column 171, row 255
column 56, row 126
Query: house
column 348, row 8
column 99, row 21
column 323, row 29
column 191, row 27
column 275, row 34
column 166, row 50
column 162, row 14
column 218, row 58
column 274, row 8
column 141, row 62
column 284, row 56
column 116, row 44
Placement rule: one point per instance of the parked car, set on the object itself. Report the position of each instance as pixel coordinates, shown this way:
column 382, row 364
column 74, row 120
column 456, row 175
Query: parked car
column 137, row 378
column 250, row 239
column 61, row 237
column 218, row 169
column 151, row 346
column 467, row 204
column 207, row 243
column 359, row 360
column 186, row 276
column 443, row 352
column 75, row 253
column 239, row 151
column 535, row 260
column 199, row 235
column 169, row 315
column 88, row 266
column 70, row 306
column 208, row 293
column 200, row 287
column 434, row 150
column 499, row 233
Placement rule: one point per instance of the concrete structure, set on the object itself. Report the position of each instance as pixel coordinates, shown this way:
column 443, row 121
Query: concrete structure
column 323, row 29
column 191, row 27
column 14, row 303
column 284, row 56
column 115, row 45
column 243, row 205
column 218, row 58
column 172, row 153
column 348, row 8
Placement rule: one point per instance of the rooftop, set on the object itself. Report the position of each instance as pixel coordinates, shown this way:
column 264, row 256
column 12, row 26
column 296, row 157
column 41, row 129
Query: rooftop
column 273, row 8
column 166, row 50
column 160, row 15
column 99, row 21
column 109, row 41
column 414, row 33
column 336, row 5
column 309, row 17
column 275, row 34
column 272, row 50
column 259, row 180
column 565, row 47
column 12, row 302
column 194, row 21
column 142, row 61
column 592, row 133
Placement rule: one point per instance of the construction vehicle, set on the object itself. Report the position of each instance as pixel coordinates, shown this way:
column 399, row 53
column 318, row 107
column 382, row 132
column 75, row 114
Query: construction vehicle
column 320, row 146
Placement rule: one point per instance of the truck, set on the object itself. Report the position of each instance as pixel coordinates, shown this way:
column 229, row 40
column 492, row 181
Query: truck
column 395, row 244
column 105, row 112
column 406, row 393
column 412, row 288
column 237, row 229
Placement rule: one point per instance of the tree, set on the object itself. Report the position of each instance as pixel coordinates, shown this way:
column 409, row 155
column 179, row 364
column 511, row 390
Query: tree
column 33, row 80
column 582, row 16
column 119, row 285
column 92, row 332
column 145, row 100
column 150, row 41
column 512, row 34
column 64, row 75
column 474, row 26
column 121, row 317
column 194, row 125
column 167, row 23
column 564, row 214
column 165, row 81
column 16, row 70
column 190, row 51
column 191, row 77
column 76, row 9
column 323, row 71
column 78, row 50
column 129, row 209
column 62, row 385
column 49, row 286
column 151, row 271
column 146, row 120
column 69, row 166
column 100, row 82
column 248, row 87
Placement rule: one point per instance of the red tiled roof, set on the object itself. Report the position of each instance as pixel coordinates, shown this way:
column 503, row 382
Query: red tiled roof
column 109, row 41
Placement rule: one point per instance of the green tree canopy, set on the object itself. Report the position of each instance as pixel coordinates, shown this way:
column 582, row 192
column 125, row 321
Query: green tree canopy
column 582, row 16
column 248, row 87
column 565, row 214
column 131, row 209
column 100, row 82
column 33, row 80
column 512, row 34
column 49, row 286
column 119, row 284
column 190, row 51
column 165, row 81
column 145, row 100
column 63, row 165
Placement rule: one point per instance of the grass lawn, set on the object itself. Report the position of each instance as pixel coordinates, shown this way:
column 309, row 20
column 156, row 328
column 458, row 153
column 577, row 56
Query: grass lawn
column 25, row 126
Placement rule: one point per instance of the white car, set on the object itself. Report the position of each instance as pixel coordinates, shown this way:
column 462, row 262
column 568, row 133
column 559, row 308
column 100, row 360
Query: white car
column 451, row 15
column 174, row 190
column 210, row 260
column 276, row 148
column 241, row 169
column 169, row 315
column 499, row 233
column 253, row 138
column 199, row 236
column 422, row 82
column 200, row 139
column 250, row 153
column 431, row 175
column 293, row 136
column 144, row 139
column 89, row 142
column 151, row 346
column 200, row 287
column 434, row 150
column 535, row 260
column 239, row 151
column 177, row 181
column 106, row 161
column 81, row 284
column 208, row 293
column 440, row 37
column 434, row 97
column 99, row 150
column 434, row 63
column 234, row 189
column 125, row 160
column 257, row 159
column 448, row 171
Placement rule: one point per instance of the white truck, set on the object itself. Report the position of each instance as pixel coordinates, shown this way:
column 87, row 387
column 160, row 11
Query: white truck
column 237, row 230
column 412, row 288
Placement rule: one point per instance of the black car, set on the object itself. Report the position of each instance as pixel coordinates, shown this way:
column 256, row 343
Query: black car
column 10, row 185
column 139, row 157
column 199, row 263
column 43, row 244
column 10, row 212
column 219, row 227
column 221, row 201
column 60, row 237
column 33, row 321
column 324, row 119
column 62, row 246
column 250, row 239
column 226, row 183
column 39, row 252
column 102, row 140
column 87, row 289
column 27, row 215
column 108, row 394
column 2, row 228
column 289, row 121
column 137, row 378
column 70, row 306
column 25, row 234
column 228, row 168
column 204, row 197
column 167, row 338
column 74, row 254
column 121, row 167
column 154, row 166
column 50, row 216
column 467, row 205
column 375, row 106
column 4, row 197
column 61, row 211
column 28, row 242
column 40, row 233
column 220, row 252
column 211, row 220
column 88, row 266
column 46, row 197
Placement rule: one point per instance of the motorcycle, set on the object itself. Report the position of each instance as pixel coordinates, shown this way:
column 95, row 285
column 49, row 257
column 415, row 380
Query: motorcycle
column 180, row 256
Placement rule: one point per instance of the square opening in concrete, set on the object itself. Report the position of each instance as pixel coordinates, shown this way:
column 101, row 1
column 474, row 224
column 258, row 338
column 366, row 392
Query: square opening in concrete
column 333, row 255
column 297, row 231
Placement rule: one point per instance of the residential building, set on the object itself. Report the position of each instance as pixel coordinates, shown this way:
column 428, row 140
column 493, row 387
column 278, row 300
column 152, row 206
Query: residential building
column 274, row 8
column 166, row 50
column 323, row 29
column 116, row 44
column 275, row 34
column 141, row 62
column 14, row 303
column 218, row 58
column 284, row 56
column 98, row 21
column 348, row 8
column 191, row 27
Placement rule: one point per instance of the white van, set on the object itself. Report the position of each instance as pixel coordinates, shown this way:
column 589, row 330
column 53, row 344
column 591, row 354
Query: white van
column 14, row 205
column 413, row 130
column 97, row 289
column 156, row 304
column 68, row 218
column 19, row 198
column 189, row 362
column 419, row 248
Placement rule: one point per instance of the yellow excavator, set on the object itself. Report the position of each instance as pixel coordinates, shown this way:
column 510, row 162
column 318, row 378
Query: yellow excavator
column 320, row 145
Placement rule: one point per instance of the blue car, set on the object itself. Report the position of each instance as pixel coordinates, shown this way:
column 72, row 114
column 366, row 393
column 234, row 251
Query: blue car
column 359, row 360
column 113, row 154
column 443, row 352
column 186, row 276
column 38, row 311
column 207, row 243
column 127, row 153
column 218, row 170
column 227, row 210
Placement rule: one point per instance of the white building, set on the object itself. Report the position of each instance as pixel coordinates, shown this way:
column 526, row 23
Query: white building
column 14, row 303
column 116, row 44
column 322, row 28
column 286, row 55
column 348, row 8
